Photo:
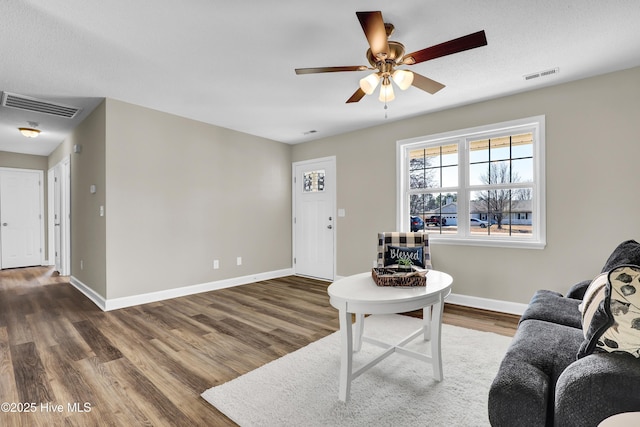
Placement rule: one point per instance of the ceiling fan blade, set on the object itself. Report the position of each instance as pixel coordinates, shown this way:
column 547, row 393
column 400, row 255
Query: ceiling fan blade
column 373, row 27
column 357, row 96
column 331, row 69
column 426, row 84
column 470, row 41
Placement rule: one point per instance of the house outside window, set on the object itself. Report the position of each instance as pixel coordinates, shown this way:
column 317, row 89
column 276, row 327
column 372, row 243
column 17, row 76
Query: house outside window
column 477, row 186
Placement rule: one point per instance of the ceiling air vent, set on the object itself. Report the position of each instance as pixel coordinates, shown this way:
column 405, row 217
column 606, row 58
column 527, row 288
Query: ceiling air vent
column 542, row 74
column 27, row 103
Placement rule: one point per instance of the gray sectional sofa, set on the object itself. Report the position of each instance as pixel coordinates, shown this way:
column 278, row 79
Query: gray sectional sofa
column 556, row 373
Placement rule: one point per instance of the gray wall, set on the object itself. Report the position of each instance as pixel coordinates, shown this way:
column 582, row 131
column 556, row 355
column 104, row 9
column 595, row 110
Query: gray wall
column 88, row 229
column 180, row 193
column 592, row 147
column 177, row 194
column 23, row 161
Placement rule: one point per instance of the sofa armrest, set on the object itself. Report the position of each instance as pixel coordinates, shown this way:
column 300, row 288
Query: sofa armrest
column 595, row 387
column 577, row 291
column 519, row 396
column 552, row 307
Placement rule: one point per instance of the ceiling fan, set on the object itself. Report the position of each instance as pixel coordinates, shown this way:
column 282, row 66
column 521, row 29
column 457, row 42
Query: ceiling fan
column 385, row 55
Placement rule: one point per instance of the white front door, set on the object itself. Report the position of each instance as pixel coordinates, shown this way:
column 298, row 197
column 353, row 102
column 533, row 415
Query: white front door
column 314, row 192
column 20, row 218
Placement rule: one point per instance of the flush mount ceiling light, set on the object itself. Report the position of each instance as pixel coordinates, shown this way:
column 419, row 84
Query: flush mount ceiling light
column 385, row 55
column 30, row 132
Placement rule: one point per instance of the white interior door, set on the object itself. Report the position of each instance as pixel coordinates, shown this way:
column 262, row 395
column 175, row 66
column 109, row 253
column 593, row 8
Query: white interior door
column 51, row 241
column 57, row 215
column 21, row 224
column 65, row 217
column 59, row 222
column 314, row 218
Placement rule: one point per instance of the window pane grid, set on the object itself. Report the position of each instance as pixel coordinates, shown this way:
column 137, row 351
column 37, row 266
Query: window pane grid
column 502, row 213
column 313, row 181
column 496, row 176
column 433, row 212
column 502, row 166
column 434, row 167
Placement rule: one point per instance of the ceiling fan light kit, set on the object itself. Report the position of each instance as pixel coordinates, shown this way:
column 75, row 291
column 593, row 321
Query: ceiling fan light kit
column 369, row 83
column 384, row 55
column 402, row 78
column 386, row 91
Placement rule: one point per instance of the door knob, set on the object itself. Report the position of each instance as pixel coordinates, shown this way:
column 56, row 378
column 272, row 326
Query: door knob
column 4, row 224
column 329, row 227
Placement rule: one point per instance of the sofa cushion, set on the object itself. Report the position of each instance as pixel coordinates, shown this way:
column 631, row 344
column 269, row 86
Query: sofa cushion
column 522, row 391
column 552, row 307
column 593, row 297
column 615, row 323
column 626, row 253
column 596, row 387
column 577, row 291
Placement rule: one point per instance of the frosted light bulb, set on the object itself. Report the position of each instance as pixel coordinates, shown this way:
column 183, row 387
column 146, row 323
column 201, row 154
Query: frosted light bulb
column 369, row 83
column 386, row 93
column 402, row 78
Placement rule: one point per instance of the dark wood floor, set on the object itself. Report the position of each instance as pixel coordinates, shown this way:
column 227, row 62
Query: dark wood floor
column 65, row 362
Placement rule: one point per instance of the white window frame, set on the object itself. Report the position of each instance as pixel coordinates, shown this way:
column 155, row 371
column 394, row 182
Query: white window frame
column 463, row 137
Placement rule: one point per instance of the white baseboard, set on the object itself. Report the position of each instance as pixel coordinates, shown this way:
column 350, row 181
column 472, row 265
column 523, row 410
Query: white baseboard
column 122, row 302
column 89, row 293
column 487, row 304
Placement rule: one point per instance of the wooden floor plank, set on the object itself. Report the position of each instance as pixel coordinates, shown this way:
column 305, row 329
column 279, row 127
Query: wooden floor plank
column 71, row 387
column 101, row 346
column 148, row 364
column 31, row 378
column 8, row 391
column 141, row 390
column 111, row 395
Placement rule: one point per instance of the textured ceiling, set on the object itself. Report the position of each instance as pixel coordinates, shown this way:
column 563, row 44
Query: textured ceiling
column 232, row 64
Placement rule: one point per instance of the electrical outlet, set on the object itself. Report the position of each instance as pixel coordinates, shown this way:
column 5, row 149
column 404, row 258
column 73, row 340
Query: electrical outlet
column 216, row 264
column 81, row 265
column 239, row 260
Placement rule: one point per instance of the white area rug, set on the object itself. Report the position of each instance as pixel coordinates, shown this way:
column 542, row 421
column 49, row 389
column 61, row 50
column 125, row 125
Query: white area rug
column 301, row 388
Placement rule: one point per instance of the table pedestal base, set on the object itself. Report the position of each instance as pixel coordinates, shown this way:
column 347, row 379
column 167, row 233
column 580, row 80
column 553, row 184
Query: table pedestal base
column 352, row 338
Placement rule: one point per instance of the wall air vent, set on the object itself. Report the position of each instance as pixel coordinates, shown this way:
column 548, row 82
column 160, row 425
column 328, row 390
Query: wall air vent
column 545, row 73
column 27, row 103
